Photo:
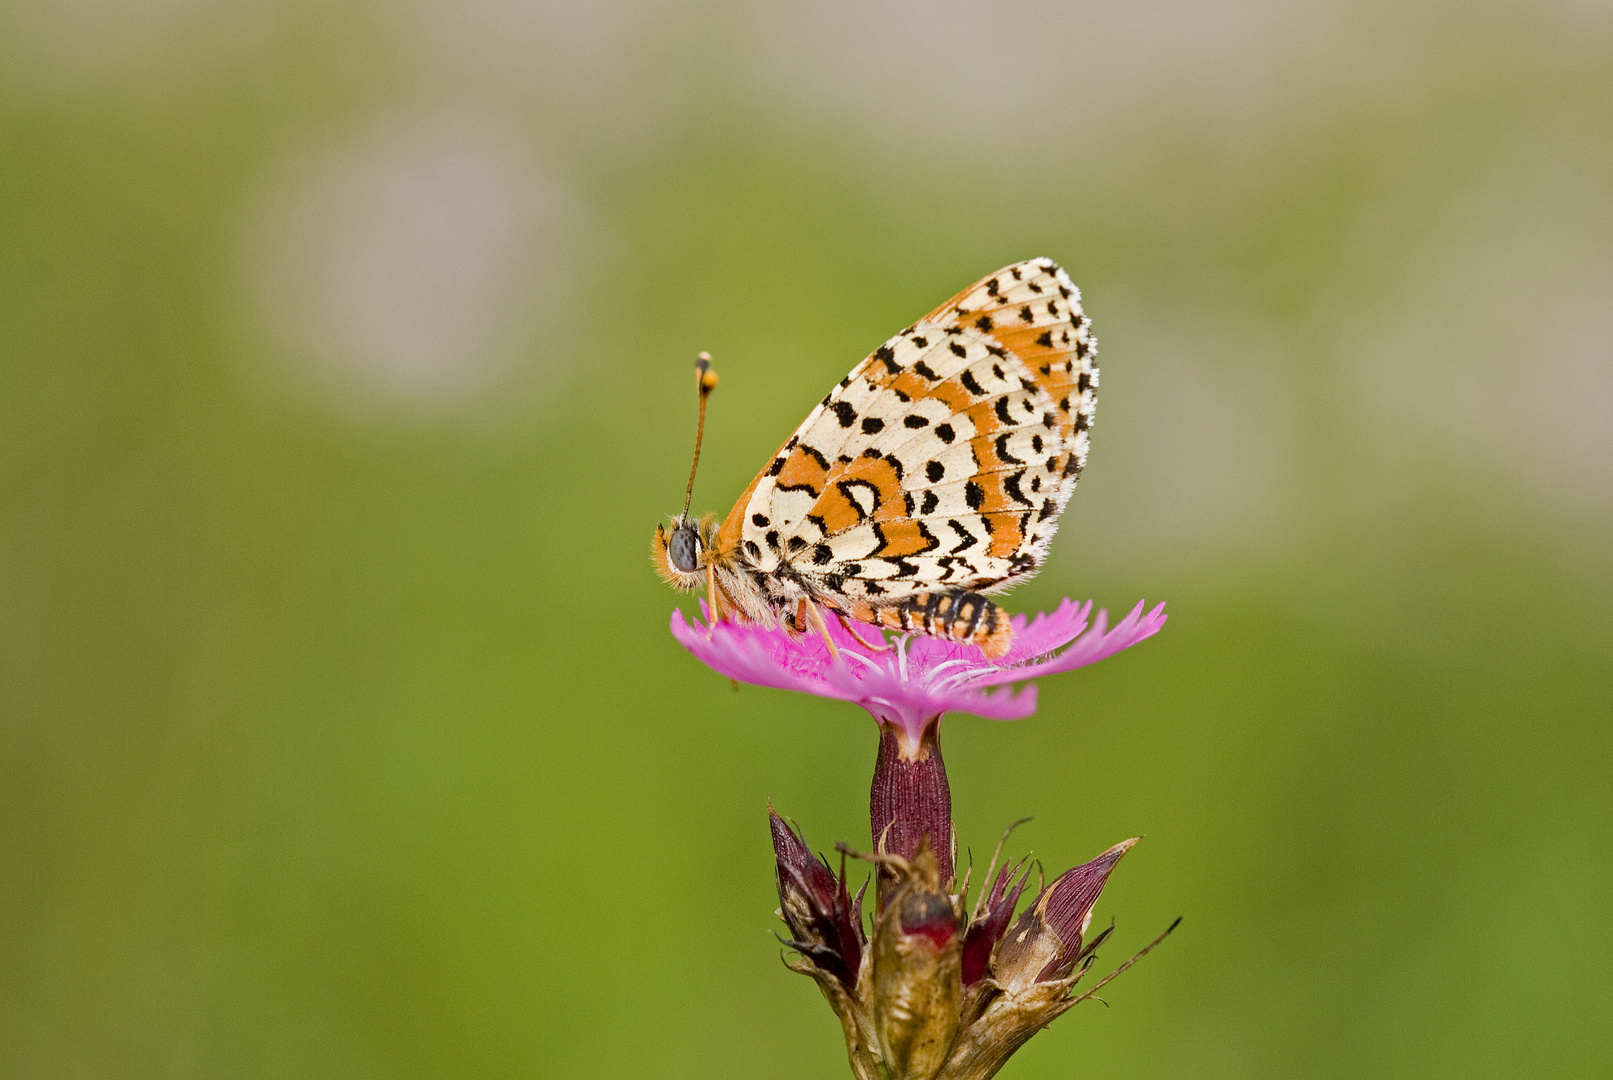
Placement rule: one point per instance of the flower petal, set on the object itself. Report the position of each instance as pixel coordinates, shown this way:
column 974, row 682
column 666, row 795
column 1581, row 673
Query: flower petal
column 915, row 678
column 1093, row 645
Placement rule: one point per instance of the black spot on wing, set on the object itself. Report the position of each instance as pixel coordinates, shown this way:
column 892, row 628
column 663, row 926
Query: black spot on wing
column 848, row 487
column 967, row 539
column 844, row 413
column 1011, row 485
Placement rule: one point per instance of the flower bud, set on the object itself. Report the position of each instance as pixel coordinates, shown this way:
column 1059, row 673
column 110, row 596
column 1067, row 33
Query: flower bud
column 1029, row 985
column 917, row 985
column 814, row 904
column 987, row 927
column 1045, row 943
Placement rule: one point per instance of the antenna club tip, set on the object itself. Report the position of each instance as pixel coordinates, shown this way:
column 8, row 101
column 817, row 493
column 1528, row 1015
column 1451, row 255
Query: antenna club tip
column 707, row 378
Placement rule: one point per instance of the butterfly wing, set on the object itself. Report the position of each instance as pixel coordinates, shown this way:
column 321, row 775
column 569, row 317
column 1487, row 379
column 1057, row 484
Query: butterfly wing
column 942, row 462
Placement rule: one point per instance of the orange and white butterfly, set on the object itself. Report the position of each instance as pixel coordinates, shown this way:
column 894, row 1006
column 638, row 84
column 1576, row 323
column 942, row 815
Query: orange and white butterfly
column 932, row 474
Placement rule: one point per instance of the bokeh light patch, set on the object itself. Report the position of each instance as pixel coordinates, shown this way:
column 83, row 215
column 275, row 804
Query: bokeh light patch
column 409, row 269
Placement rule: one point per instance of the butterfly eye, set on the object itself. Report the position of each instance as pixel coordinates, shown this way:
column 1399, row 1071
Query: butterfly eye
column 684, row 549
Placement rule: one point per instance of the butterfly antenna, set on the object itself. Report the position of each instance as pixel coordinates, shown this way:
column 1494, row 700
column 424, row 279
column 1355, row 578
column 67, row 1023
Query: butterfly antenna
column 707, row 382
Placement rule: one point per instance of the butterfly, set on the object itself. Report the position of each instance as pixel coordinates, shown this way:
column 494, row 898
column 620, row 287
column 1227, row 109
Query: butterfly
column 933, row 475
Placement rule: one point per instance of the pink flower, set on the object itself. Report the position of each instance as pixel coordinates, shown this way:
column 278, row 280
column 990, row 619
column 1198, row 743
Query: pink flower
column 917, row 678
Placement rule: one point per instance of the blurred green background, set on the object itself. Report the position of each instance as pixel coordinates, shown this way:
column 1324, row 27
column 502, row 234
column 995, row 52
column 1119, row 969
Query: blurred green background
column 344, row 371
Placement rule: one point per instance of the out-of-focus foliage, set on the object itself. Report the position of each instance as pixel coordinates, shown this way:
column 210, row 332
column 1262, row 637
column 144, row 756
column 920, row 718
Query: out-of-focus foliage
column 344, row 371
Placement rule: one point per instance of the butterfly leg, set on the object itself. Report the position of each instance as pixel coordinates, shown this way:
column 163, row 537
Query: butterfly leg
column 823, row 629
column 713, row 598
column 883, row 645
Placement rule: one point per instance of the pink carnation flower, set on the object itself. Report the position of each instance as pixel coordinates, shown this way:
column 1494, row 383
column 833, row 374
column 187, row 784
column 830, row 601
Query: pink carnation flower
column 917, row 678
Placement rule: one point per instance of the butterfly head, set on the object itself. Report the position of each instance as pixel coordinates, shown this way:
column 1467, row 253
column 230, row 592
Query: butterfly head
column 682, row 551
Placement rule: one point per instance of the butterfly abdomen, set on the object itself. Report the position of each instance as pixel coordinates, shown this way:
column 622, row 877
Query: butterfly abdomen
column 961, row 616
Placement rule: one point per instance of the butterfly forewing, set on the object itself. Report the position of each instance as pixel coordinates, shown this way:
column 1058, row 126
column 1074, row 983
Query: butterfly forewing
column 943, row 460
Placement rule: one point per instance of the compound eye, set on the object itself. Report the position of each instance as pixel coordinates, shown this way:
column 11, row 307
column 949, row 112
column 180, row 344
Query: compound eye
column 684, row 549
